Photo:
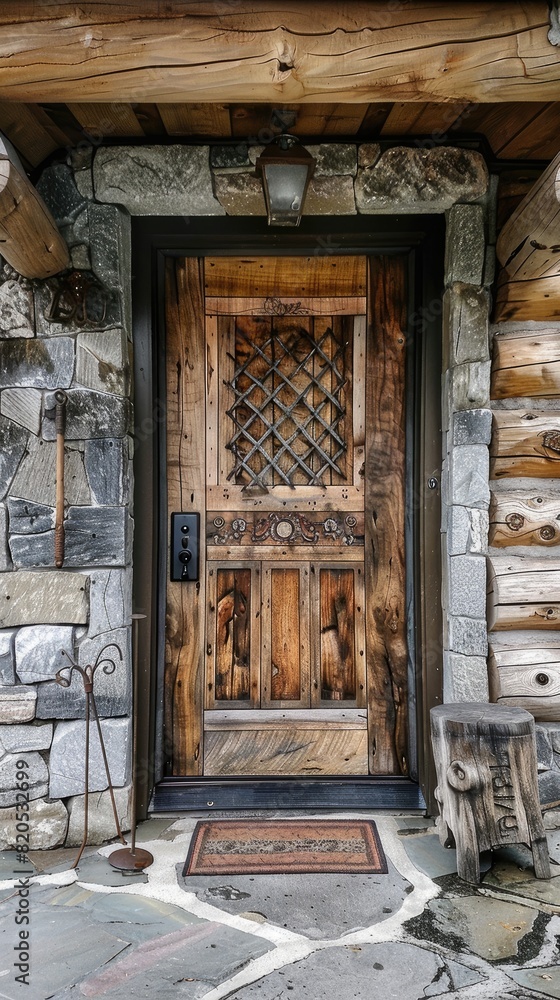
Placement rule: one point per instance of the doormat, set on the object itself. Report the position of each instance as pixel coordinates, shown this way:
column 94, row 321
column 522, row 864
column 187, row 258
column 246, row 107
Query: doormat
column 285, row 846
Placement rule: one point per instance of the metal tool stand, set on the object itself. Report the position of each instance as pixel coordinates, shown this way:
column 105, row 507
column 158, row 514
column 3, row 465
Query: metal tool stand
column 133, row 858
column 87, row 673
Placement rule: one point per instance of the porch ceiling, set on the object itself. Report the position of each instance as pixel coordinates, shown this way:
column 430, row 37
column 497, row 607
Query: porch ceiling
column 512, row 131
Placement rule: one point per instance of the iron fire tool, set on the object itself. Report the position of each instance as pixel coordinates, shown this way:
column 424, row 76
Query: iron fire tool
column 133, row 858
column 87, row 673
column 60, row 424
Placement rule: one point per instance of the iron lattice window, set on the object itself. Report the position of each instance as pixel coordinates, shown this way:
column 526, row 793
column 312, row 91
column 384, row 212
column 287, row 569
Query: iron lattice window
column 289, row 405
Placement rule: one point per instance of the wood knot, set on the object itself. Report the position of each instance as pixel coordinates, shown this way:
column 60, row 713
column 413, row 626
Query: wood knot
column 547, row 532
column 551, row 440
column 515, row 521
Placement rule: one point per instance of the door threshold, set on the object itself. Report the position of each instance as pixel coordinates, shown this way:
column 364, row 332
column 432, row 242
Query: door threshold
column 193, row 794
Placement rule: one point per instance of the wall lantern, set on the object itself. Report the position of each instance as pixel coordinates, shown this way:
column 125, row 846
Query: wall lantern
column 286, row 168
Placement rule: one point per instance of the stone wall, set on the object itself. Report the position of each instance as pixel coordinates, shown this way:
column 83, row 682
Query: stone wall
column 88, row 603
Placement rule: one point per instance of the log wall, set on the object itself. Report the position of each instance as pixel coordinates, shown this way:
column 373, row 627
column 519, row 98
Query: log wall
column 524, row 533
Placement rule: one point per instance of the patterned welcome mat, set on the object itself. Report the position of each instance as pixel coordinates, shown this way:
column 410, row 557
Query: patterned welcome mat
column 285, row 846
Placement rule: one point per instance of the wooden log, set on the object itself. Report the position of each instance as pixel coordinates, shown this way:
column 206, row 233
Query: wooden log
column 523, row 593
column 526, row 365
column 537, row 299
column 29, row 238
column 519, row 518
column 296, row 749
column 528, row 246
column 525, row 443
column 526, row 676
column 487, row 783
column 290, row 51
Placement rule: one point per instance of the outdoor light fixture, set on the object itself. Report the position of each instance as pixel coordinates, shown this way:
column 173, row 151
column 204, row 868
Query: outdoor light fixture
column 286, row 168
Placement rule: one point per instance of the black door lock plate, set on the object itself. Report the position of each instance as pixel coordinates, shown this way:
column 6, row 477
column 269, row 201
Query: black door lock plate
column 185, row 529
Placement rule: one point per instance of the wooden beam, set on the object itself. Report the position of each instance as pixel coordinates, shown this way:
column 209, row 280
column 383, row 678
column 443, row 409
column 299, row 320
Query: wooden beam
column 523, row 593
column 529, row 244
column 297, row 51
column 525, row 365
column 29, row 238
column 525, row 443
column 538, row 299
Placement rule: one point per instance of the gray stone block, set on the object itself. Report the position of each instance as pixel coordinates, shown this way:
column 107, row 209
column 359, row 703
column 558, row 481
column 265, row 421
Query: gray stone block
column 94, row 536
column 113, row 691
column 27, row 517
column 81, row 159
column 549, row 788
column 37, row 777
column 38, row 650
column 334, row 159
column 43, row 598
column 368, row 154
column 7, row 659
column 24, row 406
column 59, row 192
column 545, row 757
column 465, row 245
column 35, row 479
column 330, row 196
column 467, row 531
column 43, row 364
column 90, row 414
column 240, row 194
column 468, row 636
column 110, row 244
column 156, row 180
column 13, row 440
column 102, row 361
column 101, row 820
column 229, row 156
column 24, row 738
column 67, row 760
column 51, row 328
column 5, row 557
column 17, row 704
column 47, row 825
column 472, row 427
column 465, row 318
column 469, row 386
column 469, row 470
column 467, row 586
column 16, row 310
column 110, row 600
column 81, row 259
column 106, row 464
column 465, row 678
column 406, row 180
column 553, row 730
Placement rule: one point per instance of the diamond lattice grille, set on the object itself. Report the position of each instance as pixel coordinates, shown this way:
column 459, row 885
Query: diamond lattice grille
column 288, row 408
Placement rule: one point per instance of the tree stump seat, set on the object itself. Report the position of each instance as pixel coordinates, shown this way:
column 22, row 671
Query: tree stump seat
column 487, row 793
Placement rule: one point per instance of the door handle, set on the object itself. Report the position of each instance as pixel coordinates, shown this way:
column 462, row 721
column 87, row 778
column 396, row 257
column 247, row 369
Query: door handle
column 185, row 532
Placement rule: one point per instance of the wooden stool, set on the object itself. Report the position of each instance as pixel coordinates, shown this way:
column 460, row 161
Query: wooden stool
column 486, row 767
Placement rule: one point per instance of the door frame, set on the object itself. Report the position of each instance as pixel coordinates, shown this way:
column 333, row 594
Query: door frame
column 421, row 238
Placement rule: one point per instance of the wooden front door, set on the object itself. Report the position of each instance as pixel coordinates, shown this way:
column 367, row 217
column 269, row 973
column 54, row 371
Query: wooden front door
column 285, row 433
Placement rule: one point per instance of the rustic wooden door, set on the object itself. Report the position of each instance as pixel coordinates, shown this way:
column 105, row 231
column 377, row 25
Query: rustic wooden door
column 285, row 432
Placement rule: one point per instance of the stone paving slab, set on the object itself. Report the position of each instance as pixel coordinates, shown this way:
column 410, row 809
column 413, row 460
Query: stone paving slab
column 427, row 854
column 545, row 979
column 388, row 971
column 507, row 877
column 319, row 906
column 96, row 869
column 186, row 963
column 491, row 928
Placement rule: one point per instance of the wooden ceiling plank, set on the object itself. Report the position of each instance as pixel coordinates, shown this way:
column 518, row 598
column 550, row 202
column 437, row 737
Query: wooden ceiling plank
column 529, row 244
column 20, row 125
column 374, row 120
column 345, row 119
column 211, row 120
column 500, row 122
column 107, row 120
column 421, row 52
column 539, row 140
column 402, row 118
column 149, row 118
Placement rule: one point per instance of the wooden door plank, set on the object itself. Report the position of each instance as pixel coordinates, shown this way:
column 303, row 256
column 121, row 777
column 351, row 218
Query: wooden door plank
column 360, row 636
column 212, row 401
column 261, row 277
column 316, row 718
column 359, row 398
column 337, row 634
column 185, row 624
column 298, row 751
column 230, row 305
column 226, row 399
column 285, row 635
column 230, row 498
column 384, row 518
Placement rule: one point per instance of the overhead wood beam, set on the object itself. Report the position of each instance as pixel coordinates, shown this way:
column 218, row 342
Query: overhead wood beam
column 29, row 238
column 529, row 243
column 289, row 51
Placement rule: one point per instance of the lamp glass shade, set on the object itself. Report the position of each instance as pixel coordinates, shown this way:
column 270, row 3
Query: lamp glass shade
column 285, row 185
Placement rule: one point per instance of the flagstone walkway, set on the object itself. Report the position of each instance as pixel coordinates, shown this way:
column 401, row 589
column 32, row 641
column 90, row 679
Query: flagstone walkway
column 413, row 933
